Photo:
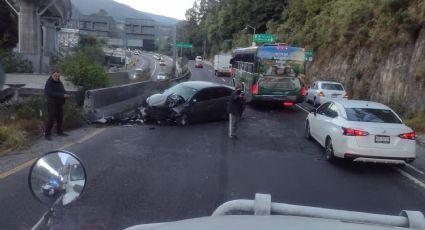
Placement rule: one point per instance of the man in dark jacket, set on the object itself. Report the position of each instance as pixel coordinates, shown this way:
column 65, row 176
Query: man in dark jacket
column 56, row 95
column 235, row 108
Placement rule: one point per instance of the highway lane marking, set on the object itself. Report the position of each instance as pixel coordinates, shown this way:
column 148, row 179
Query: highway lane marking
column 141, row 62
column 154, row 69
column 30, row 162
column 302, row 108
column 17, row 169
column 415, row 169
column 410, row 177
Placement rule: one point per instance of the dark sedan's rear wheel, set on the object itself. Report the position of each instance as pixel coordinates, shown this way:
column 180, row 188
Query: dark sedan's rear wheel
column 182, row 120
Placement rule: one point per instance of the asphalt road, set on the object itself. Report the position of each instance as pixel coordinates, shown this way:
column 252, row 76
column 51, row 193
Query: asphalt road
column 150, row 173
column 147, row 61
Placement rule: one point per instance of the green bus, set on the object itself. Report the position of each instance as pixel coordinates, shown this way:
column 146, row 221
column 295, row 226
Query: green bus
column 270, row 73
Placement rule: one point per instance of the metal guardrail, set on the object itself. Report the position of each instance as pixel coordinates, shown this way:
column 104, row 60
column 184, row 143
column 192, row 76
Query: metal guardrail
column 262, row 205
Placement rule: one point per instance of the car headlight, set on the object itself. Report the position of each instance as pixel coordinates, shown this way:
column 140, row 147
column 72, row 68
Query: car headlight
column 174, row 100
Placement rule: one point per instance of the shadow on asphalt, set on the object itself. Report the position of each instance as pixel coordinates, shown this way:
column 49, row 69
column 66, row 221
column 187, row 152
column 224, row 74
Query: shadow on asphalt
column 357, row 167
column 271, row 107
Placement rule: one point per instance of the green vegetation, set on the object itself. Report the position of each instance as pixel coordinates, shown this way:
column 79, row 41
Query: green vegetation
column 11, row 138
column 23, row 122
column 214, row 26
column 417, row 121
column 15, row 62
column 84, row 66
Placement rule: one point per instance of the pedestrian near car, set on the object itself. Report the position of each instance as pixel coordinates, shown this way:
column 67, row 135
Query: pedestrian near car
column 56, row 95
column 235, row 107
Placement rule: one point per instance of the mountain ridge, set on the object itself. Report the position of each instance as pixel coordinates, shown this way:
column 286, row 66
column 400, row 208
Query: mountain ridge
column 118, row 11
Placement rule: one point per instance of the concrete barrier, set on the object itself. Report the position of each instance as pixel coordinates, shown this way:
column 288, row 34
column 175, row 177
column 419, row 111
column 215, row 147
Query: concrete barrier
column 114, row 100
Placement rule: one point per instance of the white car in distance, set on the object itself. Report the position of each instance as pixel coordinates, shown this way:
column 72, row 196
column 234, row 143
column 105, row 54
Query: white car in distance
column 361, row 131
column 323, row 91
column 161, row 76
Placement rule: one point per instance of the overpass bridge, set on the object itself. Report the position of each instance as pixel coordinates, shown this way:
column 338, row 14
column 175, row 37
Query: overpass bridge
column 39, row 21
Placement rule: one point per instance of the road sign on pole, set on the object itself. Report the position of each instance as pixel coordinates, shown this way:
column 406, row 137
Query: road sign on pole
column 184, row 45
column 309, row 54
column 264, row 38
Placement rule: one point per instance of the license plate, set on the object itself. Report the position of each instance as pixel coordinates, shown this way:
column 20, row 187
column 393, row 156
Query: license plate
column 382, row 139
column 334, row 95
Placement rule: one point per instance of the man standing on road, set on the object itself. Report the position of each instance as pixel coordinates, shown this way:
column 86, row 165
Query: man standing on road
column 56, row 95
column 235, row 108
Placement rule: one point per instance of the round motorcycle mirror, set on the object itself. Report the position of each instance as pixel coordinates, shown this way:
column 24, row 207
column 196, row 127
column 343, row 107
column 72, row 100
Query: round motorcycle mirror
column 57, row 178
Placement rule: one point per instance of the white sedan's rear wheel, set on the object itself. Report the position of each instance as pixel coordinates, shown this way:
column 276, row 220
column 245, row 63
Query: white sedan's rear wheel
column 329, row 151
column 307, row 133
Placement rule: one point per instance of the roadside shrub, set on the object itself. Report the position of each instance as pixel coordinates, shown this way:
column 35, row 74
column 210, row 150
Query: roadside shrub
column 32, row 107
column 11, row 138
column 417, row 122
column 398, row 106
column 72, row 117
column 15, row 62
column 407, row 23
column 31, row 114
column 394, row 5
column 83, row 71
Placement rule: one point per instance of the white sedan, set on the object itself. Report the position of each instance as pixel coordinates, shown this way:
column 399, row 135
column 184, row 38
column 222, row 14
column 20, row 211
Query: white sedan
column 361, row 131
column 161, row 76
column 323, row 91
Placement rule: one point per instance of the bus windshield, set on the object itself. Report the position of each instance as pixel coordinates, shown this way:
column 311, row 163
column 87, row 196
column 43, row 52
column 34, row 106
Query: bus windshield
column 280, row 60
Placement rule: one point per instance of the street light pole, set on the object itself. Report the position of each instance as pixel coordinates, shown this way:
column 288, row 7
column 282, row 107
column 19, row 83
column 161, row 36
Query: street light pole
column 253, row 28
column 175, row 50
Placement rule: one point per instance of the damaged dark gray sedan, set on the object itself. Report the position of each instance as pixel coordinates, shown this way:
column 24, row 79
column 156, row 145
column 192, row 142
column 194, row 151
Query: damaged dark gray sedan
column 189, row 102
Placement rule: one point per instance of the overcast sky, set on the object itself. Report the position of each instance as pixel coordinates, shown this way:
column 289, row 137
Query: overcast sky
column 170, row 8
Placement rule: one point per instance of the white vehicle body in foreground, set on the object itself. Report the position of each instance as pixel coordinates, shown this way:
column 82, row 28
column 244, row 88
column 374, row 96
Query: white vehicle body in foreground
column 222, row 64
column 279, row 216
column 323, row 91
column 368, row 139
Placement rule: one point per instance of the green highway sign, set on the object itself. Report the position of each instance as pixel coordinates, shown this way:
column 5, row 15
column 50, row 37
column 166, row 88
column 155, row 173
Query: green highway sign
column 264, row 38
column 184, row 45
column 309, row 54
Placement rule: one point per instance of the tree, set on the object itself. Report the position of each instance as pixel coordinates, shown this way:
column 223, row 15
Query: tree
column 8, row 27
column 213, row 26
column 84, row 66
column 91, row 46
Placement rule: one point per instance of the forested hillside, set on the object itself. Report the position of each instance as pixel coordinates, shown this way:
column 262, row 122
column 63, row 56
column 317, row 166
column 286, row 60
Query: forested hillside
column 375, row 47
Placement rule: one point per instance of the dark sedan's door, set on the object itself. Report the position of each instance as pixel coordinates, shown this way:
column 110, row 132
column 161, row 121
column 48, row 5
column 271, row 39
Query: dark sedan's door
column 201, row 107
column 219, row 99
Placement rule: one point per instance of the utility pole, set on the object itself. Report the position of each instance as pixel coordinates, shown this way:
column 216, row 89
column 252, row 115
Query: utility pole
column 175, row 50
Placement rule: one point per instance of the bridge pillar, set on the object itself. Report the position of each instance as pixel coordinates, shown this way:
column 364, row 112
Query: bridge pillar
column 29, row 28
column 50, row 38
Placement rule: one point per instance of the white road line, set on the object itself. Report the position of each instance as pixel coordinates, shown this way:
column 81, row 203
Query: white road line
column 302, row 108
column 141, row 62
column 154, row 69
column 410, row 177
column 415, row 169
column 223, row 80
column 210, row 70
